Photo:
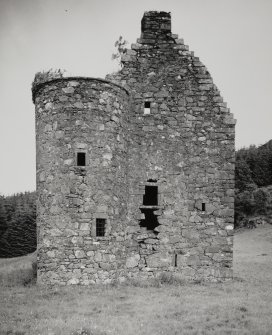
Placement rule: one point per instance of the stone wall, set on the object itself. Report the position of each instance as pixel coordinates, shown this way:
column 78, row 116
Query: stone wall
column 159, row 168
column 77, row 115
column 185, row 145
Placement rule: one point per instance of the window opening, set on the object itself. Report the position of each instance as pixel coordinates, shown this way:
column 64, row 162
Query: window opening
column 203, row 207
column 152, row 180
column 176, row 261
column 150, row 196
column 147, row 106
column 100, row 227
column 150, row 222
column 81, row 159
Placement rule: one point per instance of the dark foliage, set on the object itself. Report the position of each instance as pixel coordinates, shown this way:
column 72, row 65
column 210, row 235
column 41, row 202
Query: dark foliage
column 17, row 224
column 253, row 180
column 254, row 165
column 3, row 217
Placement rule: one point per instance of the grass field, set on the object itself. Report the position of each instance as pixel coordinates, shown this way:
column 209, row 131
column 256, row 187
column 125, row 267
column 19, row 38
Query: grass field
column 243, row 306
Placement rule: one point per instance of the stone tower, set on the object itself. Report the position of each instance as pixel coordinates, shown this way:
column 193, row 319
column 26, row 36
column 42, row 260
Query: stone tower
column 135, row 174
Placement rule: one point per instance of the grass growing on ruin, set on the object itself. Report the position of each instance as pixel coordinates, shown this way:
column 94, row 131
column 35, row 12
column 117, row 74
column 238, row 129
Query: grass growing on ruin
column 239, row 307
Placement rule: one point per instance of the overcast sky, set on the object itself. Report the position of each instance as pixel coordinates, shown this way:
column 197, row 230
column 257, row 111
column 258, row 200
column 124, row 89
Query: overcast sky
column 231, row 37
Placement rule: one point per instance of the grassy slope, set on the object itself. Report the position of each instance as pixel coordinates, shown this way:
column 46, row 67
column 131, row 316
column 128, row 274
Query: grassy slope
column 239, row 307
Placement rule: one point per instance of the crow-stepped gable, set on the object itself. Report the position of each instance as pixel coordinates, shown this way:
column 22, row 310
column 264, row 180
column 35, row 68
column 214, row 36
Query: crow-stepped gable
column 135, row 174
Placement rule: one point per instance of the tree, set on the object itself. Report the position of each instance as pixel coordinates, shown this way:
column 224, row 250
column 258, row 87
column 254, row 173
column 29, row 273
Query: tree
column 259, row 164
column 19, row 237
column 242, row 175
column 121, row 49
column 3, row 217
column 262, row 200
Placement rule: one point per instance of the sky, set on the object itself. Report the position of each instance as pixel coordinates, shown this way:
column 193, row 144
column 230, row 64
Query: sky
column 231, row 37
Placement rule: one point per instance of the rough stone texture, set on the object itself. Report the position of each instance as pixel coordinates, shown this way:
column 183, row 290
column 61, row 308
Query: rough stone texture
column 185, row 147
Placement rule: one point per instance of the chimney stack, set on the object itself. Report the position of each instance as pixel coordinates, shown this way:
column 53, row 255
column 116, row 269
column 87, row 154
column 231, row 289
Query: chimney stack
column 155, row 24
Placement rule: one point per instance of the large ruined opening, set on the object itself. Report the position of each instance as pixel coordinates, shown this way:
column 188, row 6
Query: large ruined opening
column 150, row 196
column 150, row 222
column 150, row 205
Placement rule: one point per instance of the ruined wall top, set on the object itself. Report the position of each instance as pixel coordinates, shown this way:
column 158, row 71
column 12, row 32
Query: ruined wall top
column 155, row 24
column 45, row 81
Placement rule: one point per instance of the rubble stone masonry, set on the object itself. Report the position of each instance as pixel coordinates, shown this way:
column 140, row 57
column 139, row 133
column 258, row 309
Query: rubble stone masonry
column 135, row 174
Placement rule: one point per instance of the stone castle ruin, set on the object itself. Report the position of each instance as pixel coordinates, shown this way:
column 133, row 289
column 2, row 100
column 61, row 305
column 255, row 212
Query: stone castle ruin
column 135, row 174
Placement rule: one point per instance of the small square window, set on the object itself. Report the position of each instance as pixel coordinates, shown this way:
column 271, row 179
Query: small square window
column 100, row 227
column 147, row 106
column 81, row 159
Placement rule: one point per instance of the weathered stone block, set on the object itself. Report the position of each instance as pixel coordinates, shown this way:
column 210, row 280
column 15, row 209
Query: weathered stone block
column 68, row 90
column 85, row 226
column 73, row 281
column 193, row 260
column 132, row 261
column 159, row 260
column 80, row 254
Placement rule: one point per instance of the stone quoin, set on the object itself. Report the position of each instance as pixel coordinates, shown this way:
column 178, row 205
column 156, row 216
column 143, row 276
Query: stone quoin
column 135, row 173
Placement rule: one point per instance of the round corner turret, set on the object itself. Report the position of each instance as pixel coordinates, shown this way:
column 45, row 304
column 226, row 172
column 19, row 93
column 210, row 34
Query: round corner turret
column 43, row 79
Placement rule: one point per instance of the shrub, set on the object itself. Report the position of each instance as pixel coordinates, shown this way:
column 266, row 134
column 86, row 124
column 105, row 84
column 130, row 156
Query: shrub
column 42, row 77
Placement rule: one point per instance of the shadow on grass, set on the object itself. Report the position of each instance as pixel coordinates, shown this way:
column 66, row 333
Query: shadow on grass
column 11, row 332
column 84, row 331
column 163, row 279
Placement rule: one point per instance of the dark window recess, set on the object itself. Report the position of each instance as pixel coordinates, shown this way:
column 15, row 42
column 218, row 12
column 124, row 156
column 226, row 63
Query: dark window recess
column 150, row 222
column 147, row 106
column 100, row 227
column 152, row 180
column 176, row 261
column 150, row 196
column 81, row 159
column 203, row 207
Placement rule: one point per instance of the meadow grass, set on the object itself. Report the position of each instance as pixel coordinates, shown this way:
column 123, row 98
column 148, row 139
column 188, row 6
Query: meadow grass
column 242, row 306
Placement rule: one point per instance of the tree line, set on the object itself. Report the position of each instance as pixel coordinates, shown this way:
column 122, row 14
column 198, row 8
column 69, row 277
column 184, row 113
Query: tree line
column 17, row 224
column 253, row 183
